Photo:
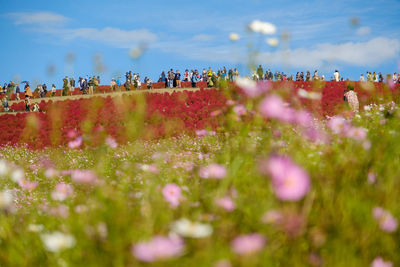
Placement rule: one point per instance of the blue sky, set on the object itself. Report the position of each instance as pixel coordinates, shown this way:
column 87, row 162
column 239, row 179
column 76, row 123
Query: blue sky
column 43, row 41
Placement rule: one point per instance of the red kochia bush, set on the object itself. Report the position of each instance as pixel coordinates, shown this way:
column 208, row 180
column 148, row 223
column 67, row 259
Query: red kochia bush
column 165, row 114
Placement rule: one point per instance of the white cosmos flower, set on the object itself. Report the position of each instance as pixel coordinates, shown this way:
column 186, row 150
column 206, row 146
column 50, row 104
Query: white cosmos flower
column 3, row 168
column 248, row 86
column 35, row 228
column 186, row 228
column 234, row 37
column 272, row 42
column 309, row 95
column 6, row 199
column 262, row 27
column 57, row 241
column 17, row 175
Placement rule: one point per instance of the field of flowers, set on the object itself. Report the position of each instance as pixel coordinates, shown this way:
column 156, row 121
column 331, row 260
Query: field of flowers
column 250, row 175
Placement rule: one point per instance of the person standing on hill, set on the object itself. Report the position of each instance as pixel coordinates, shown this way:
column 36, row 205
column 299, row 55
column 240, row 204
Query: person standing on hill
column 171, row 77
column 119, row 83
column 194, row 80
column 53, row 90
column 178, row 79
column 28, row 92
column 260, row 73
column 336, row 75
column 351, row 97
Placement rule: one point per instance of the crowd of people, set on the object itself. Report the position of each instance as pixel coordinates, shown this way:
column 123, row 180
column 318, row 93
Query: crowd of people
column 173, row 79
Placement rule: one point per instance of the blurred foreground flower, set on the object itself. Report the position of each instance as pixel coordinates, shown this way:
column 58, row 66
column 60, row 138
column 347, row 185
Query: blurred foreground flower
column 111, row 142
column 57, row 241
column 379, row 262
column 158, row 248
column 6, row 200
column 62, row 191
column 272, row 42
column 386, row 221
column 226, row 203
column 289, row 181
column 248, row 244
column 234, row 37
column 262, row 27
column 186, row 228
column 76, row 143
column 249, row 87
column 84, row 177
column 215, row 171
column 172, row 194
column 273, row 107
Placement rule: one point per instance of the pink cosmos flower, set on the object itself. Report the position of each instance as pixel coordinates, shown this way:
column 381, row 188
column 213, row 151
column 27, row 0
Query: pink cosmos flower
column 290, row 181
column 248, row 244
column 72, row 134
column 357, row 133
column 226, row 203
column 76, row 143
column 158, row 248
column 386, row 221
column 273, row 107
column 172, row 194
column 204, row 132
column 240, row 110
column 111, row 142
column 379, row 262
column 84, row 177
column 214, row 170
column 338, row 125
column 272, row 217
column 27, row 185
column 62, row 191
column 303, row 118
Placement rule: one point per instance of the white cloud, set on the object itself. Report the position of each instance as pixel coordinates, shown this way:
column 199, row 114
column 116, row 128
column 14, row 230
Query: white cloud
column 370, row 53
column 364, row 31
column 37, row 18
column 112, row 36
column 53, row 24
column 203, row 37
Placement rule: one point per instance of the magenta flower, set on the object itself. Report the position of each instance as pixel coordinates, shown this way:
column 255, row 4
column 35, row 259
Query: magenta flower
column 172, row 194
column 386, row 221
column 62, row 191
column 158, row 248
column 273, row 107
column 214, row 170
column 226, row 203
column 248, row 244
column 379, row 262
column 84, row 177
column 290, row 182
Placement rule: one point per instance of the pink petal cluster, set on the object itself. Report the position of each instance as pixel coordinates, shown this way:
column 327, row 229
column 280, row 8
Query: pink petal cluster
column 386, row 221
column 357, row 133
column 248, row 244
column 172, row 194
column 338, row 125
column 214, row 170
column 158, row 248
column 273, row 107
column 27, row 185
column 379, row 262
column 76, row 143
column 62, row 191
column 204, row 132
column 226, row 203
column 84, row 177
column 289, row 180
column 240, row 110
column 111, row 142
